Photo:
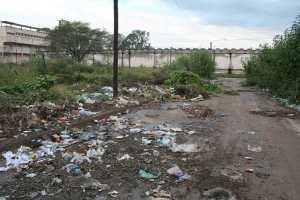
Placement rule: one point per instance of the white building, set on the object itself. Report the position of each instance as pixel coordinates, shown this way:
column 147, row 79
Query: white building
column 18, row 42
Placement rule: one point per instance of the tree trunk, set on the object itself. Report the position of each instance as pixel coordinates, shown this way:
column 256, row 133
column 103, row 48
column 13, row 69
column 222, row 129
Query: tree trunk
column 116, row 35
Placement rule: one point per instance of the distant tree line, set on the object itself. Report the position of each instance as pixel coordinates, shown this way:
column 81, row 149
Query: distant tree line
column 78, row 39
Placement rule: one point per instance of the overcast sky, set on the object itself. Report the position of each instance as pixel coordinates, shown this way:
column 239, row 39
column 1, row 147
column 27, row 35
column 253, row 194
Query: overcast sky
column 171, row 23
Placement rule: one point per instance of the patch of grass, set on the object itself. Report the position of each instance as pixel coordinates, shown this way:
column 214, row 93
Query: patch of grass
column 212, row 88
column 142, row 75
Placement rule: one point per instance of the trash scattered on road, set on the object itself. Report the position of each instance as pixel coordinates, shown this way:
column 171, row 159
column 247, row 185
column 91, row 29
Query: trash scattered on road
column 248, row 158
column 198, row 111
column 86, row 113
column 148, row 174
column 124, row 157
column 23, row 156
column 113, row 194
column 72, row 168
column 79, row 158
column 187, row 148
column 233, row 174
column 56, row 180
column 178, row 173
column 251, row 132
column 146, row 141
column 191, row 132
column 93, row 184
column 256, row 149
column 198, row 98
column 249, row 170
column 31, row 175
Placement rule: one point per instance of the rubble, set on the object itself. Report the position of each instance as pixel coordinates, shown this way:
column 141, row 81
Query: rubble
column 124, row 157
column 86, row 113
column 188, row 148
column 198, row 98
column 113, row 194
column 256, row 149
column 72, row 168
column 198, row 111
column 93, row 184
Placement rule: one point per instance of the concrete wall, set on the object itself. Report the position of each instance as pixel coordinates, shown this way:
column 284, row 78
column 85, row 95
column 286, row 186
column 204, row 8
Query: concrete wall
column 224, row 58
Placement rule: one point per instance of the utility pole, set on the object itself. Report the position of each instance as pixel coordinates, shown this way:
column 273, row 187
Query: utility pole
column 116, row 51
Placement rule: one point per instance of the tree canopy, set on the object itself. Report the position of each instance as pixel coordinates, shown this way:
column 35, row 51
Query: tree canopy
column 137, row 39
column 77, row 39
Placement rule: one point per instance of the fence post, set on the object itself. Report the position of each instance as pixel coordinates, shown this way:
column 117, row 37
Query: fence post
column 214, row 55
column 2, row 54
column 230, row 63
column 16, row 55
column 154, row 56
column 170, row 53
column 122, row 63
column 129, row 58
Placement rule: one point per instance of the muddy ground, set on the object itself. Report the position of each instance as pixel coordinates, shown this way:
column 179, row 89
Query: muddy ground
column 244, row 155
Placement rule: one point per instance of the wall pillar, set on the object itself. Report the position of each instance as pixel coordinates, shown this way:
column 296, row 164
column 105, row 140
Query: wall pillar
column 122, row 61
column 154, row 58
column 16, row 55
column 170, row 56
column 129, row 58
column 230, row 63
column 2, row 54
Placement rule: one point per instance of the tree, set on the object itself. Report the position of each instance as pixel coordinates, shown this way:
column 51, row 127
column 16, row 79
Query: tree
column 77, row 39
column 137, row 39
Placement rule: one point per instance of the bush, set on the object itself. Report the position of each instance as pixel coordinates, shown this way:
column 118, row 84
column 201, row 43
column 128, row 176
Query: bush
column 277, row 67
column 183, row 78
column 38, row 63
column 190, row 90
column 198, row 62
column 142, row 75
column 39, row 83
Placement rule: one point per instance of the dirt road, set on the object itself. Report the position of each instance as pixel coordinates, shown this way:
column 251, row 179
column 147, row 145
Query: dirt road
column 276, row 168
column 226, row 154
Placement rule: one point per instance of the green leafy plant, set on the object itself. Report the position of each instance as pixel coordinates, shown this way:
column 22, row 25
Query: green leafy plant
column 183, row 78
column 277, row 67
column 199, row 62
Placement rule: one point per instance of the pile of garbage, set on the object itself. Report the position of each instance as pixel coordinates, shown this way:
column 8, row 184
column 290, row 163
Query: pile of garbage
column 197, row 111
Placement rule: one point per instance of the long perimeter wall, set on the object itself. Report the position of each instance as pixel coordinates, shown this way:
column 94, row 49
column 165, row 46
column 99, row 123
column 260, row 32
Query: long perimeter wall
column 225, row 58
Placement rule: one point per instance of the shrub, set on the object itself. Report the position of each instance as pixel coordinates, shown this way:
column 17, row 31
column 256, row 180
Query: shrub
column 198, row 62
column 190, row 90
column 39, row 83
column 277, row 67
column 183, row 78
column 38, row 63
